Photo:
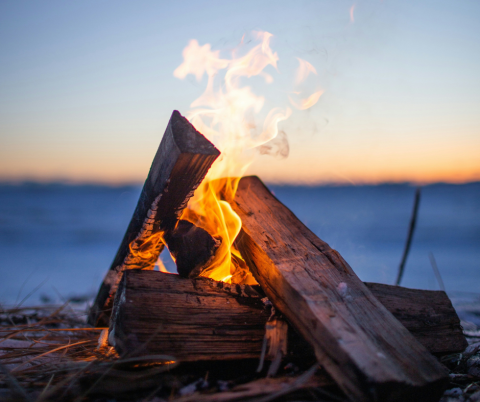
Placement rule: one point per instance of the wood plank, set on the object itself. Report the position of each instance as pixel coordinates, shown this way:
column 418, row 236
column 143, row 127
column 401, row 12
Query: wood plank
column 193, row 319
column 356, row 339
column 201, row 319
column 180, row 164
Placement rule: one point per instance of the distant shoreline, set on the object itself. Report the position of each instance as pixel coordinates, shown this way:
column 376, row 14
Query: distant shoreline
column 86, row 184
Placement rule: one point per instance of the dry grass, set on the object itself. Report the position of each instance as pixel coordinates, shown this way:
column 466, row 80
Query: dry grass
column 48, row 353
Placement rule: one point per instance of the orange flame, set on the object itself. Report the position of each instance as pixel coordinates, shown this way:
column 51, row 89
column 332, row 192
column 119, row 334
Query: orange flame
column 225, row 113
column 144, row 252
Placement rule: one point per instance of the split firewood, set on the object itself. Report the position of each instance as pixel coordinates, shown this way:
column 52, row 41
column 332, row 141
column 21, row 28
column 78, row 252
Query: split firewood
column 369, row 353
column 195, row 319
column 202, row 319
column 180, row 164
column 428, row 315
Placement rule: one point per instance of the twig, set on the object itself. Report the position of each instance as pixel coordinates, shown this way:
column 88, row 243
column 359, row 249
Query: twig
column 436, row 271
column 411, row 230
column 296, row 384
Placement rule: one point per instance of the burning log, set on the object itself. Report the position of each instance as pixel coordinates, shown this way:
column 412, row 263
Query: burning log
column 192, row 248
column 357, row 340
column 180, row 164
column 202, row 319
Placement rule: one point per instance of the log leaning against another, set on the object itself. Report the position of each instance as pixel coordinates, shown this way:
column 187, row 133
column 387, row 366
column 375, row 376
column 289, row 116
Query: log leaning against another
column 202, row 319
column 180, row 164
column 369, row 353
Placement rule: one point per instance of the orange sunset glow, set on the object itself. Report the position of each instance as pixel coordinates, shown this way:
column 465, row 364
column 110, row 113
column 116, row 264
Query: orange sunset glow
column 374, row 96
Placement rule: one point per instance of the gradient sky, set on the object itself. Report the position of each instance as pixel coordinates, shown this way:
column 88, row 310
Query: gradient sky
column 87, row 87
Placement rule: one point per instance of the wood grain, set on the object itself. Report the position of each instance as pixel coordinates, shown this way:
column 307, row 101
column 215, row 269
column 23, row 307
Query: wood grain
column 368, row 352
column 204, row 319
column 428, row 315
column 193, row 319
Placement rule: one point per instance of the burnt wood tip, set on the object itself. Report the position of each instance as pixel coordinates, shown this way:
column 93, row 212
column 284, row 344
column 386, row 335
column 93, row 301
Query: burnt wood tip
column 181, row 162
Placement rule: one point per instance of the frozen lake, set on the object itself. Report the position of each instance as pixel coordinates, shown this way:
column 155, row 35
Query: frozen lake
column 61, row 238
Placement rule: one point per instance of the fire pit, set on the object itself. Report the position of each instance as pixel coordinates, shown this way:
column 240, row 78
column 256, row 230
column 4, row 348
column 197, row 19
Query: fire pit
column 264, row 288
column 254, row 282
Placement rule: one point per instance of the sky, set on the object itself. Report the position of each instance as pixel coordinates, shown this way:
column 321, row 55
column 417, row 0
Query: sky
column 87, row 87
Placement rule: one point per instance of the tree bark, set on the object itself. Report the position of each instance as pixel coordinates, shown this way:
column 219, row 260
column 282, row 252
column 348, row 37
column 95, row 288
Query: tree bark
column 368, row 352
column 180, row 164
column 201, row 319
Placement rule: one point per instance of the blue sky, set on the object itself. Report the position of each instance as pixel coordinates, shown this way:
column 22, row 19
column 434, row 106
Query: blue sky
column 86, row 88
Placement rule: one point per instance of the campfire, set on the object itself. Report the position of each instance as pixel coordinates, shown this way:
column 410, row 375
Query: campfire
column 253, row 281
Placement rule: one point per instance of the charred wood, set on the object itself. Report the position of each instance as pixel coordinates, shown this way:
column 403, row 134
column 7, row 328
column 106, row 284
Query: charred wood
column 180, row 164
column 194, row 319
column 191, row 247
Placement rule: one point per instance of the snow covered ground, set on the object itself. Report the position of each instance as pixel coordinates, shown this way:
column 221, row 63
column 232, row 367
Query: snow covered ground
column 58, row 240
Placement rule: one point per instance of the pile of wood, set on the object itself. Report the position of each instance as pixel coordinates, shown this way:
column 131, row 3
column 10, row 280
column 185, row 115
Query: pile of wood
column 375, row 341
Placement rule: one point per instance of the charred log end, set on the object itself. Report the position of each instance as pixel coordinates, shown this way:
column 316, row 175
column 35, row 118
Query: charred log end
column 192, row 248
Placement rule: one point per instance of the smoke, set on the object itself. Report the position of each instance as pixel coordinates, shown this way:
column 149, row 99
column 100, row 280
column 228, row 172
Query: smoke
column 277, row 147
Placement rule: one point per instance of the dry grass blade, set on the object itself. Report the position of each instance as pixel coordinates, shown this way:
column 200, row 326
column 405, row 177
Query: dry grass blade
column 50, row 351
column 46, row 387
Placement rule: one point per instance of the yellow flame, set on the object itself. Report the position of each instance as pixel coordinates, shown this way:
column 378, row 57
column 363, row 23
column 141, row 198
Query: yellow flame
column 231, row 115
column 224, row 114
column 144, row 251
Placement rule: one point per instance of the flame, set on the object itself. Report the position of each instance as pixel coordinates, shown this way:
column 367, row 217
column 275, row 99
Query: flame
column 144, row 251
column 232, row 116
column 224, row 114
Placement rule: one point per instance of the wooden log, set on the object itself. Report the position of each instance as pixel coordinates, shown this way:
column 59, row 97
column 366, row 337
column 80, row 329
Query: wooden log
column 427, row 314
column 180, row 164
column 194, row 319
column 191, row 247
column 201, row 319
column 368, row 352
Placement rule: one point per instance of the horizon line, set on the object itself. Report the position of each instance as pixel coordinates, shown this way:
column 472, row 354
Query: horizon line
column 298, row 183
